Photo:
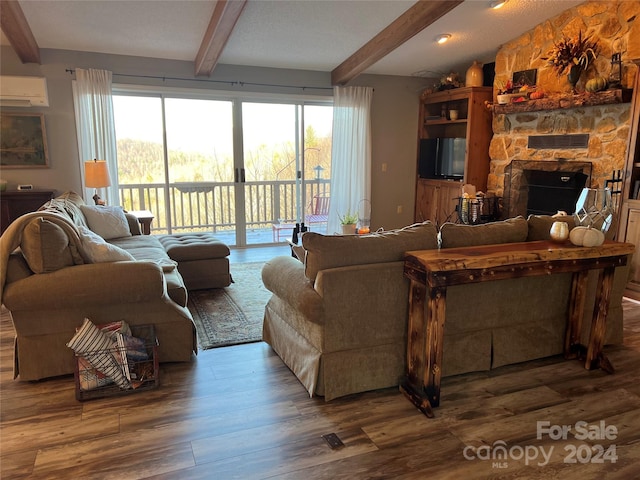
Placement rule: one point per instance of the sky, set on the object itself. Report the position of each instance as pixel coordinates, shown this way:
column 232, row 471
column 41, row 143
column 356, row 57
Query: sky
column 206, row 125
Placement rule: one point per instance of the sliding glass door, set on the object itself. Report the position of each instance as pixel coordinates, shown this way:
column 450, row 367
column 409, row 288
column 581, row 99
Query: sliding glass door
column 287, row 166
column 271, row 162
column 200, row 166
column 245, row 170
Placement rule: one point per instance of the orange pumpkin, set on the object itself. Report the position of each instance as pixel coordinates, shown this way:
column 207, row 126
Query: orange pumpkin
column 537, row 95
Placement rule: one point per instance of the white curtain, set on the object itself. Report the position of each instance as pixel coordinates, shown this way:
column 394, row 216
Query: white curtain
column 95, row 127
column 350, row 153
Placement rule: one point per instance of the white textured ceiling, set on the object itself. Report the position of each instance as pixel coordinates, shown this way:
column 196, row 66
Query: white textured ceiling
column 171, row 29
column 309, row 34
column 476, row 34
column 298, row 34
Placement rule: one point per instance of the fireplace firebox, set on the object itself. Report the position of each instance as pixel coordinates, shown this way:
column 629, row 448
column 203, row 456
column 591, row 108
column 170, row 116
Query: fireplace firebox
column 543, row 187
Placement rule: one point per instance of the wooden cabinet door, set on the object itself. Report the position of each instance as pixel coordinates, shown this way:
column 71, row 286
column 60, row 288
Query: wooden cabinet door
column 426, row 201
column 436, row 200
column 448, row 201
column 633, row 236
column 629, row 217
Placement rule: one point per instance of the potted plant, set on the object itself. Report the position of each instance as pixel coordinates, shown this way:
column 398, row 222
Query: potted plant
column 348, row 221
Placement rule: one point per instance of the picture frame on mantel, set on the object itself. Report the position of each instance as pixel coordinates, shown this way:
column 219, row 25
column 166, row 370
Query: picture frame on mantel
column 525, row 77
column 24, row 141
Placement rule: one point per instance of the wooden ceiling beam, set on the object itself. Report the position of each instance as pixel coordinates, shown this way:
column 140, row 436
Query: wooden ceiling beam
column 16, row 28
column 223, row 20
column 422, row 14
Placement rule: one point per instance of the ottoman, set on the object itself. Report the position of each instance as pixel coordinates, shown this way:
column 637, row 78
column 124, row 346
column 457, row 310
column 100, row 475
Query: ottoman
column 202, row 259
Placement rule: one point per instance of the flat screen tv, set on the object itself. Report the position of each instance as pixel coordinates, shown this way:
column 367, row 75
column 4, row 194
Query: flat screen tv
column 442, row 158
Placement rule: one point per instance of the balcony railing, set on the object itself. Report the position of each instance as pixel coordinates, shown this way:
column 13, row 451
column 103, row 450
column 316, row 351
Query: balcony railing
column 211, row 206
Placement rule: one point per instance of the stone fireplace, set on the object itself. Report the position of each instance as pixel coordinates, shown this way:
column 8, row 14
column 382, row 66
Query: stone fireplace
column 543, row 187
column 607, row 127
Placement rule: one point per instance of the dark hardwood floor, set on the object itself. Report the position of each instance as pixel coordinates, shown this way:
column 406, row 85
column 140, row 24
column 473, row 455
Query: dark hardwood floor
column 239, row 413
column 258, row 254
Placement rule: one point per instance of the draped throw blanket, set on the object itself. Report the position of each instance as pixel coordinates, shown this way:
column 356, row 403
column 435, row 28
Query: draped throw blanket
column 12, row 237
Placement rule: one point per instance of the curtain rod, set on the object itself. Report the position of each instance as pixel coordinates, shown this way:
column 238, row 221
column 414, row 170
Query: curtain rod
column 232, row 83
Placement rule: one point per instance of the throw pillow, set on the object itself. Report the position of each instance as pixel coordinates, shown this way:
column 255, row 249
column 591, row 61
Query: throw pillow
column 299, row 252
column 97, row 250
column 45, row 246
column 108, row 222
column 96, row 347
column 540, row 225
column 330, row 251
column 511, row 230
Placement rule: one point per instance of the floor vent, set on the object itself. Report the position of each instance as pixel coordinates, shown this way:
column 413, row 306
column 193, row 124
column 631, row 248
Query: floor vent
column 580, row 140
column 333, row 440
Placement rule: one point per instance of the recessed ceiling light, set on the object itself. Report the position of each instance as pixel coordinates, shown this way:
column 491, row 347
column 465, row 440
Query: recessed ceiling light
column 496, row 4
column 443, row 38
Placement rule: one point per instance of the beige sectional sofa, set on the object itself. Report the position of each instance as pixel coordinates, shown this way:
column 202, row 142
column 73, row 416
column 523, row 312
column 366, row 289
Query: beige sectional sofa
column 338, row 318
column 62, row 273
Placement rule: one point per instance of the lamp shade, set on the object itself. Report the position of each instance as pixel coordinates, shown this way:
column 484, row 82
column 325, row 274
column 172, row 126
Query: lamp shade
column 96, row 174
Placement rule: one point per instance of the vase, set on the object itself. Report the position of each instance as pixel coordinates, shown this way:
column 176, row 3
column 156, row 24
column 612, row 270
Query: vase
column 348, row 228
column 573, row 76
column 475, row 75
column 594, row 209
column 559, row 231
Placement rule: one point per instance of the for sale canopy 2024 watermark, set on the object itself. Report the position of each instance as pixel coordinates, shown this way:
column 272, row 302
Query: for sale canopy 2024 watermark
column 582, row 451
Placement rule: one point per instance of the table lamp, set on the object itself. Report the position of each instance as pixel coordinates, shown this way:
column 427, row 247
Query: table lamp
column 96, row 175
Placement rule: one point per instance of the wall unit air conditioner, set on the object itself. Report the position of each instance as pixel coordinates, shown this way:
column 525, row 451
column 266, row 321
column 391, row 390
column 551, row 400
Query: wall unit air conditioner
column 23, row 91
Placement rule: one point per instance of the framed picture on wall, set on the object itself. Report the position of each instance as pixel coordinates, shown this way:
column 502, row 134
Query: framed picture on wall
column 23, row 141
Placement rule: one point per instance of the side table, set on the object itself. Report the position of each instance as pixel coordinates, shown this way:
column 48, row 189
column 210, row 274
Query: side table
column 145, row 217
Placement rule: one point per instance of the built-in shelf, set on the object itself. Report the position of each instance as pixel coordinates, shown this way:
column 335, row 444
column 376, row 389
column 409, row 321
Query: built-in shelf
column 444, row 121
column 560, row 101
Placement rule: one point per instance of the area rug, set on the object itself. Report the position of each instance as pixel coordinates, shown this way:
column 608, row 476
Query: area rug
column 231, row 315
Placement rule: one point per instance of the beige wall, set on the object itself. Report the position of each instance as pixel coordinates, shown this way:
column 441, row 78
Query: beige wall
column 394, row 117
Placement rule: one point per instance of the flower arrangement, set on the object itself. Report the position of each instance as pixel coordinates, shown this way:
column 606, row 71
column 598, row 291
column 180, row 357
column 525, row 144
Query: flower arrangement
column 572, row 51
column 505, row 87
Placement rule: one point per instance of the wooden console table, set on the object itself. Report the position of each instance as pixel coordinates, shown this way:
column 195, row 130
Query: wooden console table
column 433, row 271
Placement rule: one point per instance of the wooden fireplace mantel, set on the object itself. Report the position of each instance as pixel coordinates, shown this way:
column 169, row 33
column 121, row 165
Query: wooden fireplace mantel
column 563, row 101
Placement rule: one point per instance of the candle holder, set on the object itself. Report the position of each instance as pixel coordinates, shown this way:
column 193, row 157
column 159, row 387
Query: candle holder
column 364, row 216
column 615, row 76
